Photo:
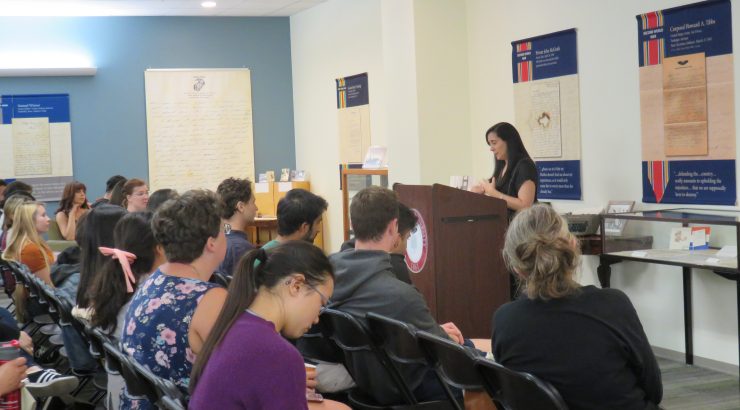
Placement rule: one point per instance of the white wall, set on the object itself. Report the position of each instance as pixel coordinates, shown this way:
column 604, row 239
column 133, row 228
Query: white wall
column 610, row 129
column 334, row 39
column 390, row 38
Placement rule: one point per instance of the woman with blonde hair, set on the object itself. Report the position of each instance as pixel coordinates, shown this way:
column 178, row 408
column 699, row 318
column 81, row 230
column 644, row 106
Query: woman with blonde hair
column 588, row 342
column 25, row 244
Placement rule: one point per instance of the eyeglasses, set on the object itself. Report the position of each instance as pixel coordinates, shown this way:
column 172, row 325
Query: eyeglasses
column 324, row 299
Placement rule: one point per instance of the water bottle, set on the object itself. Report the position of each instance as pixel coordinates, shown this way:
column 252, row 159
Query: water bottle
column 10, row 351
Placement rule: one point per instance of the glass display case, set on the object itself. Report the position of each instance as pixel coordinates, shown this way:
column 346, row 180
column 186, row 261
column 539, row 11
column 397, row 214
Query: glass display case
column 353, row 181
column 685, row 237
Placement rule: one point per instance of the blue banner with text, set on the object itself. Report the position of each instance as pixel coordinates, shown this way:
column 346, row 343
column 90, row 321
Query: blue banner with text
column 709, row 182
column 559, row 179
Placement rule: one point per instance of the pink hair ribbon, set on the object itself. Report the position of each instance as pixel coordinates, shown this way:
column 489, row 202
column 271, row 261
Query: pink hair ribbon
column 125, row 259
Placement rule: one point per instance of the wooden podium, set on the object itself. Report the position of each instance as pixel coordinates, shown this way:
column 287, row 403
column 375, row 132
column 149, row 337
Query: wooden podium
column 463, row 279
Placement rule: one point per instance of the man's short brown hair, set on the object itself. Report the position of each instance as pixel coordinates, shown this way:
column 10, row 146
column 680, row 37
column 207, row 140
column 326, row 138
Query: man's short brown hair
column 183, row 225
column 371, row 211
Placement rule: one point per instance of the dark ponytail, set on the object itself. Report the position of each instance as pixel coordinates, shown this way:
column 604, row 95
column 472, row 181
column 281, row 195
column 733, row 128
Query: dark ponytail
column 256, row 269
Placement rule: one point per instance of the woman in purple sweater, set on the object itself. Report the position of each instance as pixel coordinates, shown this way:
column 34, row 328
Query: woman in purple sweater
column 283, row 294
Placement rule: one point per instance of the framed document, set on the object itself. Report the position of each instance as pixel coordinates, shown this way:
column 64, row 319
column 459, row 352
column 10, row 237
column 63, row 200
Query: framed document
column 613, row 226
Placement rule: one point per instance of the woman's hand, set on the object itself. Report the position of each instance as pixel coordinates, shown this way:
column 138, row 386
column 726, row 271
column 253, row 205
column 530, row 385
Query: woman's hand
column 12, row 374
column 489, row 189
column 26, row 342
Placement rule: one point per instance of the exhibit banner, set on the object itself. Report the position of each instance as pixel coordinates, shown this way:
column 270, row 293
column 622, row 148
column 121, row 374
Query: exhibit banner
column 37, row 133
column 353, row 105
column 687, row 104
column 547, row 105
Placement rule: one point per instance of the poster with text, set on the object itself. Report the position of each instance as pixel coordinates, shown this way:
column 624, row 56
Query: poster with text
column 353, row 104
column 547, row 110
column 36, row 136
column 687, row 104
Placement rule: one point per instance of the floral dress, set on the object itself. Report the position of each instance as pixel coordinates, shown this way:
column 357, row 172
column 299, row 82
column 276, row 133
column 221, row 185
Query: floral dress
column 156, row 329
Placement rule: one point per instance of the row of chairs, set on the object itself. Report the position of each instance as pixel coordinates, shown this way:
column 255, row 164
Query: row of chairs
column 394, row 344
column 140, row 381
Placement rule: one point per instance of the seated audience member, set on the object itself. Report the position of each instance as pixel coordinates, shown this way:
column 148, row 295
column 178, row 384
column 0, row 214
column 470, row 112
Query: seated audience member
column 117, row 196
column 136, row 195
column 13, row 188
column 160, row 196
column 239, row 210
column 109, row 185
column 365, row 283
column 25, row 245
column 172, row 312
column 133, row 259
column 11, row 204
column 95, row 230
column 407, row 221
column 587, row 342
column 282, row 295
column 39, row 382
column 299, row 216
column 3, row 185
column 71, row 208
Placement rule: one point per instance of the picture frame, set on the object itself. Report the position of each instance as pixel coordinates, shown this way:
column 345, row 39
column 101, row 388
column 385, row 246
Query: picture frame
column 615, row 227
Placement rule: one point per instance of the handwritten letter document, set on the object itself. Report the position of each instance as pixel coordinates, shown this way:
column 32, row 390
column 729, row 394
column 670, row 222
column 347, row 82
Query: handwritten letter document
column 199, row 127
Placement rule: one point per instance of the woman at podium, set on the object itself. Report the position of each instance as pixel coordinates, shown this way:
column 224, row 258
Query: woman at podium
column 514, row 177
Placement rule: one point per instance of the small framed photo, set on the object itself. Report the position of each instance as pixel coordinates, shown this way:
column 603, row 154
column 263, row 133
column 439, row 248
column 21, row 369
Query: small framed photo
column 616, row 226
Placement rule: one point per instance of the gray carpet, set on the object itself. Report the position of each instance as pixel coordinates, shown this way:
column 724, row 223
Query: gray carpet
column 691, row 387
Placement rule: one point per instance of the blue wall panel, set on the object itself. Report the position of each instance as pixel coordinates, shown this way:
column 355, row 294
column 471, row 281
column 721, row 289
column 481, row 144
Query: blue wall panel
column 108, row 110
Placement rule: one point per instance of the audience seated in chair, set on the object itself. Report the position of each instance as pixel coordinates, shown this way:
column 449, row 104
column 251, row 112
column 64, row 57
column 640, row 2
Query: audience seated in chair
column 407, row 221
column 365, row 283
column 282, row 295
column 25, row 245
column 72, row 207
column 160, row 196
column 136, row 195
column 587, row 342
column 299, row 216
column 9, row 208
column 109, row 185
column 14, row 188
column 133, row 259
column 239, row 210
column 173, row 311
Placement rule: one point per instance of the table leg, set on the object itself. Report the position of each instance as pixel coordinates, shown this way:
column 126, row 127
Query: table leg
column 688, row 316
column 604, row 271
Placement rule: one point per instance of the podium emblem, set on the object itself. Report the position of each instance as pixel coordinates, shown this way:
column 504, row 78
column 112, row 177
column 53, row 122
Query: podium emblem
column 417, row 247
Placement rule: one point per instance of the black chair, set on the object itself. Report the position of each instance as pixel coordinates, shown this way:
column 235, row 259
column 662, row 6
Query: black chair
column 454, row 362
column 398, row 341
column 352, row 338
column 220, row 279
column 518, row 390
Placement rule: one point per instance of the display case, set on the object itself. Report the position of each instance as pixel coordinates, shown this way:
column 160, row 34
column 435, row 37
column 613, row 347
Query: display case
column 353, row 181
column 689, row 238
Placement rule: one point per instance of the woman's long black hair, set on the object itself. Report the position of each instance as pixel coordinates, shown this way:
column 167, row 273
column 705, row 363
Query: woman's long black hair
column 515, row 150
column 95, row 230
column 133, row 234
column 270, row 270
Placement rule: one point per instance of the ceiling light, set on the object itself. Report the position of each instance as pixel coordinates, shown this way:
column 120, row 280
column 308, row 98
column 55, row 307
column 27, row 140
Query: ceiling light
column 208, row 4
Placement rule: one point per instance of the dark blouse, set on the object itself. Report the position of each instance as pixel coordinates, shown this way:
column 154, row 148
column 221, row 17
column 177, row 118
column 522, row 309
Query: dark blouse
column 524, row 170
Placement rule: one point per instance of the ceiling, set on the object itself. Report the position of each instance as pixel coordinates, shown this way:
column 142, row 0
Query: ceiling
column 153, row 7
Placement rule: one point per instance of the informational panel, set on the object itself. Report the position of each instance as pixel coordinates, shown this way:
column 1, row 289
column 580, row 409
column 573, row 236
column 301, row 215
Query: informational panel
column 548, row 110
column 199, row 127
column 353, row 104
column 36, row 141
column 687, row 104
